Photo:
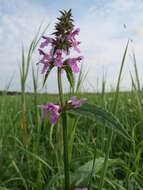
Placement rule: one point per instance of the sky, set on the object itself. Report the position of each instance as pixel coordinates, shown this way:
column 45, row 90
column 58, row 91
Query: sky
column 105, row 27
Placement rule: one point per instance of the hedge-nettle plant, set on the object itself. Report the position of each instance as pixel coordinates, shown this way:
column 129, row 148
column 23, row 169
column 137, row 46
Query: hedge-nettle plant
column 56, row 52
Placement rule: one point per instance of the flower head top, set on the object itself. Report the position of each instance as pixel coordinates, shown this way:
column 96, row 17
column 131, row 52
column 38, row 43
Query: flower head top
column 58, row 47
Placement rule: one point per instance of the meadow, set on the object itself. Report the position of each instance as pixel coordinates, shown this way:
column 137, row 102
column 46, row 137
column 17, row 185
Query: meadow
column 39, row 163
column 104, row 136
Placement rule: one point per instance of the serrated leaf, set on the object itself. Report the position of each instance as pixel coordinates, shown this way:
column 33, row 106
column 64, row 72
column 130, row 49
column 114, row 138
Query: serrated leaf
column 97, row 114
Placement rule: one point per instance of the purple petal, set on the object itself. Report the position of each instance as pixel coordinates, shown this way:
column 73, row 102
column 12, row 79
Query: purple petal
column 46, row 42
column 52, row 50
column 45, row 67
column 76, row 103
column 58, row 63
column 54, row 112
column 73, row 64
column 53, row 117
column 75, row 32
column 58, row 60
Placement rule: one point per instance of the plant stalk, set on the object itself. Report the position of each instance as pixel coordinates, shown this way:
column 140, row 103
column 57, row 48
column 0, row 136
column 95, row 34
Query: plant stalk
column 24, row 119
column 65, row 137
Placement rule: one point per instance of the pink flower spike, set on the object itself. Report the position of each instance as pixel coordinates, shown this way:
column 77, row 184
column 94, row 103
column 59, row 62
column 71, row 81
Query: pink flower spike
column 54, row 112
column 46, row 42
column 82, row 188
column 77, row 103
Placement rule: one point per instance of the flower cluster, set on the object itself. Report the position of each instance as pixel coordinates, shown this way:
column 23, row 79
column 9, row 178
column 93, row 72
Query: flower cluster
column 55, row 51
column 55, row 109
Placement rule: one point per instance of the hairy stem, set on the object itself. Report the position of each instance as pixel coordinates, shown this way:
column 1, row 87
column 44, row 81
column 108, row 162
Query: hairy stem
column 65, row 138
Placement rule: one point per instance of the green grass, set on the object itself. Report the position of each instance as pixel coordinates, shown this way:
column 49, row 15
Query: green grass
column 39, row 165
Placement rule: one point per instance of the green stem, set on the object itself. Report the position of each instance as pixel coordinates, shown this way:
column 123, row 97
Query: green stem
column 65, row 137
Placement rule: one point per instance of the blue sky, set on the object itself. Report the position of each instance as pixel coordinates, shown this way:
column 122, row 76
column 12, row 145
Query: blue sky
column 103, row 36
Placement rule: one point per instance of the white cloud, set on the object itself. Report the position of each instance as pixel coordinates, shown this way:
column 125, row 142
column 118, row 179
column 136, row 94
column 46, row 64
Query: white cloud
column 105, row 36
column 19, row 23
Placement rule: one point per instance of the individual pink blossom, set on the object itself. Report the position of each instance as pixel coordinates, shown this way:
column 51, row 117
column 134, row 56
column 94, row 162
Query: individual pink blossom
column 58, row 60
column 75, row 46
column 76, row 103
column 71, row 38
column 73, row 63
column 73, row 34
column 46, row 42
column 54, row 112
column 45, row 60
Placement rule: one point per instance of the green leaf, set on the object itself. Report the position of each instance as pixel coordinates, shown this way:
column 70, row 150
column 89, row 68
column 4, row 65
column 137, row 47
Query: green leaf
column 47, row 74
column 81, row 175
column 97, row 114
column 70, row 75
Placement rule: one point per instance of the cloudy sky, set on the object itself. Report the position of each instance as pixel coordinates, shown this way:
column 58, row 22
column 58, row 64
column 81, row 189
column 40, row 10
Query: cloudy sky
column 105, row 28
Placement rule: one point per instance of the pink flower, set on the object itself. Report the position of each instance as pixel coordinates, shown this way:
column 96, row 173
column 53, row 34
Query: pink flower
column 73, row 63
column 71, row 38
column 46, row 42
column 82, row 188
column 73, row 34
column 75, row 46
column 76, row 103
column 45, row 60
column 58, row 60
column 54, row 112
column 52, row 50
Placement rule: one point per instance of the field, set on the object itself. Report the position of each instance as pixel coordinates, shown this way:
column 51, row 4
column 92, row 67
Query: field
column 98, row 144
column 38, row 164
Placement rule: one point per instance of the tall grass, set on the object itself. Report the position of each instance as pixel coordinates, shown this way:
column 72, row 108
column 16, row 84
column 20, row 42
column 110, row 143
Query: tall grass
column 113, row 109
